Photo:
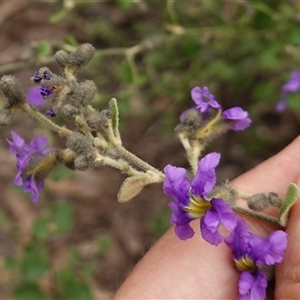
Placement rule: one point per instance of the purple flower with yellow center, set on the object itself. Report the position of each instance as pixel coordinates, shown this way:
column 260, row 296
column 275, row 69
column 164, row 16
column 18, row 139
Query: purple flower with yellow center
column 204, row 99
column 26, row 155
column 191, row 202
column 292, row 85
column 251, row 254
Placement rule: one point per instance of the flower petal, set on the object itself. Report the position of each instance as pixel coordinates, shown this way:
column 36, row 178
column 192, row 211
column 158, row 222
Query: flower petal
column 252, row 286
column 209, row 228
column 240, row 116
column 176, row 184
column 224, row 213
column 34, row 97
column 184, row 232
column 270, row 250
column 205, row 179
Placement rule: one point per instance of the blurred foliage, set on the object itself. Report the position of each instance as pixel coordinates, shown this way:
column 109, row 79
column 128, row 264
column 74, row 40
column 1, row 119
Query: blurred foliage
column 150, row 50
column 149, row 55
column 33, row 265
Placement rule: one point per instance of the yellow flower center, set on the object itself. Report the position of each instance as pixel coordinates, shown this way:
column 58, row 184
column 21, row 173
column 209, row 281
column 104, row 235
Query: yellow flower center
column 197, row 207
column 245, row 264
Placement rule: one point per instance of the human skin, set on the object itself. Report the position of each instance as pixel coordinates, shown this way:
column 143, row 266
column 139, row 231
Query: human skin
column 194, row 269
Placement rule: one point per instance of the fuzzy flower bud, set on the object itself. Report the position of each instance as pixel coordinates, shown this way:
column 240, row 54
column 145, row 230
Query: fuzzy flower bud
column 62, row 58
column 6, row 117
column 84, row 93
column 81, row 163
column 68, row 111
column 98, row 120
column 79, row 143
column 12, row 90
column 191, row 117
column 260, row 201
column 82, row 55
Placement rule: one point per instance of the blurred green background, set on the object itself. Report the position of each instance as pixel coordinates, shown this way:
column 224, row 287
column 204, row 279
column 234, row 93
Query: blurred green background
column 78, row 242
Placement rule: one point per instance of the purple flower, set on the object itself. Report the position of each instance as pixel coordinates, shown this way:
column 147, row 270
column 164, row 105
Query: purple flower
column 206, row 102
column 239, row 117
column 292, row 85
column 250, row 254
column 190, row 201
column 204, row 99
column 34, row 97
column 26, row 155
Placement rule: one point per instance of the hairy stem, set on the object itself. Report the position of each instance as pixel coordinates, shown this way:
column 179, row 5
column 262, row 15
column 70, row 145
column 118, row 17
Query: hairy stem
column 257, row 215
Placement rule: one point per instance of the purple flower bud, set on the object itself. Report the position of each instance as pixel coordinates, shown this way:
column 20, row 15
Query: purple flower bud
column 50, row 113
column 36, row 77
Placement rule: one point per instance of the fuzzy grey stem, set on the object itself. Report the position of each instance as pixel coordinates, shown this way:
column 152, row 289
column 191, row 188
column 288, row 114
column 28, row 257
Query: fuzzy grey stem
column 257, row 215
column 139, row 163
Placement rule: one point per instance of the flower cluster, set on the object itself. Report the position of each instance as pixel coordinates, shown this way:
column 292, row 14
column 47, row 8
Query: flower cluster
column 250, row 253
column 200, row 198
column 205, row 102
column 27, row 156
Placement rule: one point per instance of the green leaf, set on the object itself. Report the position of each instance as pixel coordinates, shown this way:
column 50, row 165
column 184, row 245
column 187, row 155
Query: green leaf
column 113, row 108
column 125, row 71
column 268, row 58
column 41, row 228
column 28, row 291
column 59, row 15
column 62, row 215
column 33, row 266
column 11, row 263
column 124, row 4
column 265, row 90
column 43, row 48
column 261, row 20
column 61, row 172
column 293, row 101
column 290, row 199
column 89, row 269
column 73, row 287
column 3, row 218
column 70, row 40
column 293, row 35
column 103, row 244
column 160, row 222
